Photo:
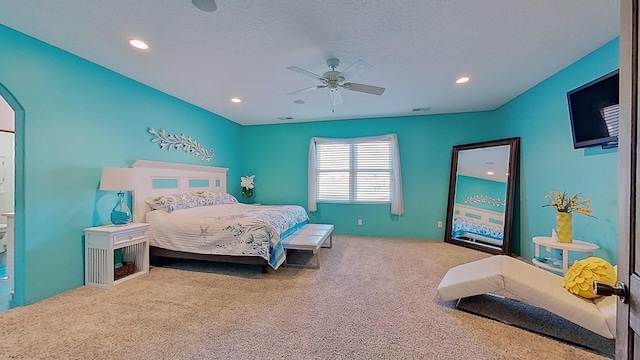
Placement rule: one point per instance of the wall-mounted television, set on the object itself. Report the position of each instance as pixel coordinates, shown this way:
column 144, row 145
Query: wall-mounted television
column 594, row 112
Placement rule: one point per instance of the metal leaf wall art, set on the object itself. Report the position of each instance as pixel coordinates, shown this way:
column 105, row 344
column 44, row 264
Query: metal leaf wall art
column 483, row 199
column 181, row 142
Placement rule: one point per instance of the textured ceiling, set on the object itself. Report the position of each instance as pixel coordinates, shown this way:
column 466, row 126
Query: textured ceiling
column 417, row 48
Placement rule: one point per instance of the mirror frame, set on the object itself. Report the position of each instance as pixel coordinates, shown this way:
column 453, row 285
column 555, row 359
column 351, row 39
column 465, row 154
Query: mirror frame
column 509, row 200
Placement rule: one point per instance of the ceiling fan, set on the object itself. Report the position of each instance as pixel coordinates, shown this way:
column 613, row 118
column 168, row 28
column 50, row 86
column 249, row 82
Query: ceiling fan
column 334, row 80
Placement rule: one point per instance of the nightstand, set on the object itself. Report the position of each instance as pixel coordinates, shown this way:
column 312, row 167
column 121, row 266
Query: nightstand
column 100, row 244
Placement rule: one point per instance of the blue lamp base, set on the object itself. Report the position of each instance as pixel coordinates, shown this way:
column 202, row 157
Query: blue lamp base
column 121, row 214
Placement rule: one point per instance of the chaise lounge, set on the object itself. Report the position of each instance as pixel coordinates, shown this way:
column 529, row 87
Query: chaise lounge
column 535, row 286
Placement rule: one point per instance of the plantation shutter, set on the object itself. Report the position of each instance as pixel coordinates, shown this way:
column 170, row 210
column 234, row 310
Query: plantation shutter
column 356, row 170
column 611, row 116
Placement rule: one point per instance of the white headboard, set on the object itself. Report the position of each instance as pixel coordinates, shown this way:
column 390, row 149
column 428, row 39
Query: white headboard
column 486, row 217
column 155, row 178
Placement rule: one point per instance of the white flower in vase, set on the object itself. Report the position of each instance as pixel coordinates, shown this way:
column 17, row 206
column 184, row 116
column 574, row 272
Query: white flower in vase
column 247, row 186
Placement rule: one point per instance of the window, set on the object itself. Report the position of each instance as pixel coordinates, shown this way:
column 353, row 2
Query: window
column 611, row 116
column 356, row 170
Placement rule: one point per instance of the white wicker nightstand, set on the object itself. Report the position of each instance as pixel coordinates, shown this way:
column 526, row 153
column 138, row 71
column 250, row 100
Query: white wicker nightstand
column 100, row 244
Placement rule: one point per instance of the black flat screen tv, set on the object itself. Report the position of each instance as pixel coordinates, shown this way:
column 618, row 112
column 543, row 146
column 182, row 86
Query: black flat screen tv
column 594, row 112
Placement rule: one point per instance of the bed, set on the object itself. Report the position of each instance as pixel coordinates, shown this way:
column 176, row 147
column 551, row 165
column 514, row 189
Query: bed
column 473, row 224
column 191, row 216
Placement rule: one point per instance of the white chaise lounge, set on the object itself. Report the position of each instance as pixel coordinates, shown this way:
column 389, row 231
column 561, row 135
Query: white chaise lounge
column 535, row 286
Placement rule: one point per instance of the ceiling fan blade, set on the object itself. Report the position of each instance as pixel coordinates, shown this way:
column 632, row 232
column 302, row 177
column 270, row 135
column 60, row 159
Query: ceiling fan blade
column 355, row 69
column 307, row 89
column 304, row 72
column 336, row 97
column 369, row 89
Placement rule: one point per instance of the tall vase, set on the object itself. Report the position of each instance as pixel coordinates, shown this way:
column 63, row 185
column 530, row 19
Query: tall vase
column 249, row 200
column 563, row 226
column 247, row 195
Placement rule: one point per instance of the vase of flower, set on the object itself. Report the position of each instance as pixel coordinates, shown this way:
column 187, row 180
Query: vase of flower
column 565, row 207
column 564, row 226
column 248, row 189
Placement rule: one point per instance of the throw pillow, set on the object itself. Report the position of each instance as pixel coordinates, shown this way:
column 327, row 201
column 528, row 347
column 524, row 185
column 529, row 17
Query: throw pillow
column 173, row 202
column 579, row 279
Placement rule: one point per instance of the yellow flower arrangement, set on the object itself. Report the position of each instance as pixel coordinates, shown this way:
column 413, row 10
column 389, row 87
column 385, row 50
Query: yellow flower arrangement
column 564, row 203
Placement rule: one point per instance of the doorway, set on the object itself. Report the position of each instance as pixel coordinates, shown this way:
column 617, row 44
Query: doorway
column 11, row 201
column 7, row 200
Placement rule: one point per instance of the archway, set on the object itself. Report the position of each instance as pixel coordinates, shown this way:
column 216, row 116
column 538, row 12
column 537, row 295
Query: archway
column 19, row 197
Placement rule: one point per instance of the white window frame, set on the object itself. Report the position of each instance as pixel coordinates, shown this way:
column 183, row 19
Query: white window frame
column 397, row 207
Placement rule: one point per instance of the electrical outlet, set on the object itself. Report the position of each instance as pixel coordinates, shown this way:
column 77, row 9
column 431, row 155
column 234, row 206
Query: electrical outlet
column 439, row 224
column 359, row 221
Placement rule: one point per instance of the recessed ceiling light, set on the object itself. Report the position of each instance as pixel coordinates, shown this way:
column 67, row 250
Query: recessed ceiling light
column 236, row 100
column 138, row 44
column 489, row 172
column 299, row 102
column 462, row 80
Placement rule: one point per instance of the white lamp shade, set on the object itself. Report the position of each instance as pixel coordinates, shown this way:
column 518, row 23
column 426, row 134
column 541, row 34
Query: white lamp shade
column 117, row 179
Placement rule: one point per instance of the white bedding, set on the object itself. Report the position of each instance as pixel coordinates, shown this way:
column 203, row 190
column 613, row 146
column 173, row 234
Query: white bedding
column 229, row 229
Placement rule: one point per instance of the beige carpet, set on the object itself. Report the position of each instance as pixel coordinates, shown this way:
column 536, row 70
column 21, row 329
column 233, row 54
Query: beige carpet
column 373, row 298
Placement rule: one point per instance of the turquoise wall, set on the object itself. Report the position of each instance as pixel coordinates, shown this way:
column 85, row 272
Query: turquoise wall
column 278, row 156
column 467, row 186
column 549, row 162
column 79, row 118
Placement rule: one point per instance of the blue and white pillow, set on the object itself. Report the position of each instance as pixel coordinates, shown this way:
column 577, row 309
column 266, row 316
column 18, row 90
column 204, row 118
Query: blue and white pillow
column 179, row 201
column 216, row 198
column 173, row 202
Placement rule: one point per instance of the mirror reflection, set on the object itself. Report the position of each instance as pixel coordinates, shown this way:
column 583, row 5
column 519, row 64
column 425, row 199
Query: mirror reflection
column 481, row 195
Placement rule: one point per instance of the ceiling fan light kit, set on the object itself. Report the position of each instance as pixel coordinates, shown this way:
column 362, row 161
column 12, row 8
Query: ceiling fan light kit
column 205, row 5
column 334, row 80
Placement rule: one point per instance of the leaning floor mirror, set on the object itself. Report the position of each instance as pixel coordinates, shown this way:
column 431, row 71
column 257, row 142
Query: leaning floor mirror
column 481, row 195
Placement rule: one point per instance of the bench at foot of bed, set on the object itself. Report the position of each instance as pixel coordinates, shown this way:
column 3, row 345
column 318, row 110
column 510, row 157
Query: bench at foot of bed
column 310, row 237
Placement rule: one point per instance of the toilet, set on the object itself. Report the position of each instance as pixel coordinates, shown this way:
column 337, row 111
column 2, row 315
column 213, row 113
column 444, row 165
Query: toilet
column 3, row 240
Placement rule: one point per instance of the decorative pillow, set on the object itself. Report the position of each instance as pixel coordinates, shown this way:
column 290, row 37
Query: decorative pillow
column 227, row 199
column 179, row 201
column 215, row 198
column 173, row 202
column 579, row 279
column 207, row 197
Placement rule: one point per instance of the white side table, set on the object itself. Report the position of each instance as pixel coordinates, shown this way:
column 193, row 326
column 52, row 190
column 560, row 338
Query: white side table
column 549, row 243
column 100, row 244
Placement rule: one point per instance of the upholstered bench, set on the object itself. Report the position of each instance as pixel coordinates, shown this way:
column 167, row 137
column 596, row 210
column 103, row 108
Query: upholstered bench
column 310, row 237
column 535, row 286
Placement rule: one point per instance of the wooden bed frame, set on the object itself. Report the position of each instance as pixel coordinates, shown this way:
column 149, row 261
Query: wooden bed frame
column 155, row 178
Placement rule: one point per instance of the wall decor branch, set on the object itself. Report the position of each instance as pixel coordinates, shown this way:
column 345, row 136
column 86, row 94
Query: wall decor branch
column 484, row 199
column 186, row 143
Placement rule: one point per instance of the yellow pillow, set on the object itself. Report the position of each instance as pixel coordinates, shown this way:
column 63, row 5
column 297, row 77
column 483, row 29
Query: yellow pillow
column 579, row 279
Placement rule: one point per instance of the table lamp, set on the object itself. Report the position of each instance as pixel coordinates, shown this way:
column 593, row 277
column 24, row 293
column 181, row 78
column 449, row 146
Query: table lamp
column 120, row 180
